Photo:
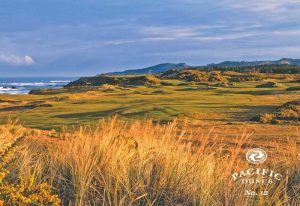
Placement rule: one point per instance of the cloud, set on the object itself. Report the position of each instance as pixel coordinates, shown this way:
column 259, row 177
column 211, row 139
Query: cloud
column 172, row 32
column 133, row 32
column 205, row 34
column 16, row 60
column 260, row 11
column 272, row 6
column 195, row 33
column 263, row 6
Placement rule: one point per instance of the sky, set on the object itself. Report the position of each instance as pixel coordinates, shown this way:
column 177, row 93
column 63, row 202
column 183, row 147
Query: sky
column 88, row 37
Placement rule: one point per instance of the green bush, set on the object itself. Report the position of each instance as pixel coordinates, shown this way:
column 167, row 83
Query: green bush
column 268, row 85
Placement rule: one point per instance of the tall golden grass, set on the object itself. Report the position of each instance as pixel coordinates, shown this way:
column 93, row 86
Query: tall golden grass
column 15, row 189
column 140, row 163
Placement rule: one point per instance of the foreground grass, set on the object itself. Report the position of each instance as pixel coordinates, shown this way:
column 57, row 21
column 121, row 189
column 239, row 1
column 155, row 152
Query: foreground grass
column 138, row 163
column 15, row 189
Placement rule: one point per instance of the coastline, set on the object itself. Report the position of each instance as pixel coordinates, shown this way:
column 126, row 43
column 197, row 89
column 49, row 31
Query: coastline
column 26, row 84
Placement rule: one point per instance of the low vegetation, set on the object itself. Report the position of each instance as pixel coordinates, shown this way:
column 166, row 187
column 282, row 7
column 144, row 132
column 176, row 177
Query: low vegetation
column 15, row 188
column 295, row 88
column 268, row 85
column 193, row 76
column 288, row 113
column 187, row 75
column 265, row 68
column 140, row 163
column 115, row 80
column 247, row 77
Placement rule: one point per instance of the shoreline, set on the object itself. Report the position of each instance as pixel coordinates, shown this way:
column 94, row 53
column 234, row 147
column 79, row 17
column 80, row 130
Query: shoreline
column 26, row 85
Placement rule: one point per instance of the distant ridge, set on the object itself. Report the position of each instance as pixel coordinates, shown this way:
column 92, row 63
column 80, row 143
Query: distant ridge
column 167, row 66
column 288, row 61
column 153, row 69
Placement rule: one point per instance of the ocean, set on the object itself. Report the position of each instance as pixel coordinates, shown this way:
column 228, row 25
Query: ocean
column 23, row 85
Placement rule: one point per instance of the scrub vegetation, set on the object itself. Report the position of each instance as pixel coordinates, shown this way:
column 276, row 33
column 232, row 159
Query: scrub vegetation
column 173, row 138
column 141, row 163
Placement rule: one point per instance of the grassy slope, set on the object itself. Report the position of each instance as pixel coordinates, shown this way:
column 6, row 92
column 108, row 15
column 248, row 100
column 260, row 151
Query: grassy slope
column 238, row 104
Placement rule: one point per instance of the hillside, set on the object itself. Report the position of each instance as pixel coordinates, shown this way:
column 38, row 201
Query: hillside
column 159, row 68
column 153, row 69
column 191, row 74
column 288, row 61
column 114, row 80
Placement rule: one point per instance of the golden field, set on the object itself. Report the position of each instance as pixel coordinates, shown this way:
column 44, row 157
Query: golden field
column 140, row 163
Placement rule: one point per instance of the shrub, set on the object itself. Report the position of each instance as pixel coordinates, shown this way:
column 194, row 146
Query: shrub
column 22, row 191
column 58, row 98
column 193, row 75
column 288, row 113
column 167, row 83
column 268, row 85
column 223, row 84
column 108, row 88
column 247, row 77
column 114, row 80
column 266, row 118
column 296, row 88
column 160, row 91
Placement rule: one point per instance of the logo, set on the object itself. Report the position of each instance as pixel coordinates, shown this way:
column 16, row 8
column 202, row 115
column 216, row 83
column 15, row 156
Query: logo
column 256, row 156
column 255, row 179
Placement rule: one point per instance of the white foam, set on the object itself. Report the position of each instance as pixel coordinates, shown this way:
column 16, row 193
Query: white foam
column 59, row 81
column 6, row 89
column 28, row 84
column 25, row 87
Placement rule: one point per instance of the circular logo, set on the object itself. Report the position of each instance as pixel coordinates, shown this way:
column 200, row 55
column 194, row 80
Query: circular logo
column 256, row 155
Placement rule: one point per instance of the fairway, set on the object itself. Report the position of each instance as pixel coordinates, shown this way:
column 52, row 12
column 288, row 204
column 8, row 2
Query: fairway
column 210, row 104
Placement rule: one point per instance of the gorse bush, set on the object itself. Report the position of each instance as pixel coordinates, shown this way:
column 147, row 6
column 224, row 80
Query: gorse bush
column 268, row 85
column 288, row 113
column 266, row 118
column 22, row 191
column 114, row 80
column 140, row 163
column 194, row 75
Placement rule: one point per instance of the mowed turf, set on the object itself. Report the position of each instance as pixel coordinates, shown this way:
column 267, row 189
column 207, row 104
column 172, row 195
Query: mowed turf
column 234, row 104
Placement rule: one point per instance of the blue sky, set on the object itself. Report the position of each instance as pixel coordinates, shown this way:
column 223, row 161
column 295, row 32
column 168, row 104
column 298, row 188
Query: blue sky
column 87, row 37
